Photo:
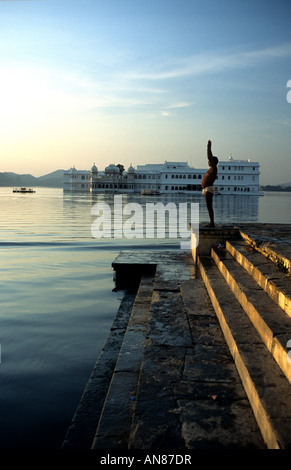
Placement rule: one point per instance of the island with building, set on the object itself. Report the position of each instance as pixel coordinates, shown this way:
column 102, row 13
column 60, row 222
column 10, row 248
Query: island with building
column 234, row 177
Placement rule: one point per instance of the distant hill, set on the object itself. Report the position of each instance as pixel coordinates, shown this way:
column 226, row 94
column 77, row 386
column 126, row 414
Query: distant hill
column 279, row 188
column 51, row 180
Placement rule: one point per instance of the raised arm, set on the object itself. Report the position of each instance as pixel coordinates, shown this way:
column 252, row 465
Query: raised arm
column 209, row 152
column 210, row 157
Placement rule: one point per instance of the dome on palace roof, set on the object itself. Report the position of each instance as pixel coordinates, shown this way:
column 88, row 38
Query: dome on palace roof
column 130, row 169
column 94, row 168
column 112, row 169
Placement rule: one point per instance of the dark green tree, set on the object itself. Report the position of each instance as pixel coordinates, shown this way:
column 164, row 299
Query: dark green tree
column 121, row 168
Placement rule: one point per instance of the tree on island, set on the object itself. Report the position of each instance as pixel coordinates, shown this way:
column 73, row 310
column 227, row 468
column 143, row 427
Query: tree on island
column 121, row 168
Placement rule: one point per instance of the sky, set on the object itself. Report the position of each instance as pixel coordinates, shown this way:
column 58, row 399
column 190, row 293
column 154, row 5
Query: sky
column 135, row 82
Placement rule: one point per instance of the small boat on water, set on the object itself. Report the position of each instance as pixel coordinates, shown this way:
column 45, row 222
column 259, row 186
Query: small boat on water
column 148, row 192
column 23, row 190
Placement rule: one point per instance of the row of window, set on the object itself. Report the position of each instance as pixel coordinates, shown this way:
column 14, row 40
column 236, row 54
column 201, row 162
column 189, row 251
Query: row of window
column 76, row 176
column 188, row 187
column 112, row 186
column 236, row 188
column 199, row 177
column 144, row 177
column 194, row 187
column 237, row 168
column 180, row 176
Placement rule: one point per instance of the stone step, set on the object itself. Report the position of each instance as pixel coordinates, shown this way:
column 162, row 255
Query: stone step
column 266, row 386
column 267, row 242
column 271, row 322
column 115, row 421
column 156, row 422
column 189, row 395
column 275, row 282
column 82, row 429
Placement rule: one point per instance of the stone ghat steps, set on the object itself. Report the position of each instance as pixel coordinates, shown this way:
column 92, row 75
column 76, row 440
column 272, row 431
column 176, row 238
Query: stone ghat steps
column 189, row 393
column 270, row 321
column 194, row 360
column 175, row 385
column 256, row 330
column 263, row 238
column 114, row 426
column 82, row 429
column 266, row 273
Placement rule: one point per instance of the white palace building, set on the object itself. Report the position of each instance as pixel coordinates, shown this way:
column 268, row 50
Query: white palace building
column 234, row 177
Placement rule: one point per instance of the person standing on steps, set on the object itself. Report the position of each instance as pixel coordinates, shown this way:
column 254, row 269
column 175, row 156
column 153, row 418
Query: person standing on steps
column 207, row 183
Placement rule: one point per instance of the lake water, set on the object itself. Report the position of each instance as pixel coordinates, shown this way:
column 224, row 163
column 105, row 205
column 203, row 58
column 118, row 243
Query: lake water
column 58, row 301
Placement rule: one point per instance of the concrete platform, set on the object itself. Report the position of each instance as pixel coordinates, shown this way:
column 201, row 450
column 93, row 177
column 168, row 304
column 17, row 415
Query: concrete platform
column 202, row 242
column 187, row 363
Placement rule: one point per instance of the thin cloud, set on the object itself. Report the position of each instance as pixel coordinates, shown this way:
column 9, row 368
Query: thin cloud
column 181, row 104
column 203, row 64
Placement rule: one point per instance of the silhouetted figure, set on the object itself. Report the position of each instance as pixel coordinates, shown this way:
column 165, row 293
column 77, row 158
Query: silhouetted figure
column 207, row 183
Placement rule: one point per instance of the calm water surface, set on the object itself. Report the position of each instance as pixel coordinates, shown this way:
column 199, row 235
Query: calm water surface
column 58, row 301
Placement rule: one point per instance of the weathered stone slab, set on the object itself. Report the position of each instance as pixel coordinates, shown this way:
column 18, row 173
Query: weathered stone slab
column 81, row 432
column 115, row 423
column 206, row 425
